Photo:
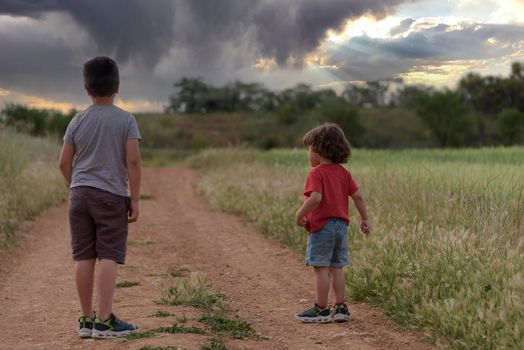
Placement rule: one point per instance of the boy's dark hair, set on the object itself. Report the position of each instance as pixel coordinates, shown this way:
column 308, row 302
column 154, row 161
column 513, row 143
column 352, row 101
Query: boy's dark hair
column 329, row 141
column 101, row 76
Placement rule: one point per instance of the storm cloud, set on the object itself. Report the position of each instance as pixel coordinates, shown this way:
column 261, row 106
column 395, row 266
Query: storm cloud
column 158, row 42
column 126, row 28
column 148, row 29
column 44, row 43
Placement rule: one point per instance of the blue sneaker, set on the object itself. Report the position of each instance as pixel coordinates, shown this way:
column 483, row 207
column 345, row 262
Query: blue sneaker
column 86, row 326
column 112, row 327
column 342, row 313
column 315, row 315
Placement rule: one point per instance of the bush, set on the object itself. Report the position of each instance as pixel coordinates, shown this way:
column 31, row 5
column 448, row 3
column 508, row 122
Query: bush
column 37, row 122
column 510, row 122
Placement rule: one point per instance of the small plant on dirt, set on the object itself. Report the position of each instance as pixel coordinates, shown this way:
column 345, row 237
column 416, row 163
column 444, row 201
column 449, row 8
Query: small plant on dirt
column 223, row 326
column 139, row 335
column 194, row 291
column 161, row 314
column 182, row 319
column 175, row 328
column 179, row 272
column 127, row 284
column 146, row 197
column 215, row 343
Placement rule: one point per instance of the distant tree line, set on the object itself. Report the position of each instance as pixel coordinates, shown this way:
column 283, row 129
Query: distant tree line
column 481, row 110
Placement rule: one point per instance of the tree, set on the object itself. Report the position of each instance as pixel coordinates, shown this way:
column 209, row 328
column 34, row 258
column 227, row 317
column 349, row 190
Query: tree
column 191, row 96
column 337, row 110
column 26, row 119
column 409, row 95
column 445, row 114
column 510, row 121
column 517, row 71
column 371, row 94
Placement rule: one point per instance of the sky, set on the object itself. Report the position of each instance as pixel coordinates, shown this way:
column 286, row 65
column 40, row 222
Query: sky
column 279, row 43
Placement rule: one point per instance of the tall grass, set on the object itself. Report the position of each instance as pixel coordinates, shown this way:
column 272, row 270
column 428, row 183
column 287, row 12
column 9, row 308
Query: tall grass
column 29, row 179
column 446, row 251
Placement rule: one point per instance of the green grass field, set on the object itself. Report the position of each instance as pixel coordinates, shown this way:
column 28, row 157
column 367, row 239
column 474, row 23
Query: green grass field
column 446, row 251
column 29, row 179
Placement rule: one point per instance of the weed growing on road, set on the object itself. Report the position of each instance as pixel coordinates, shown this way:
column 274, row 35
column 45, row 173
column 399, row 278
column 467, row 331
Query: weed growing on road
column 175, row 328
column 194, row 291
column 215, row 343
column 139, row 335
column 223, row 326
column 127, row 284
column 146, row 197
column 179, row 272
column 161, row 314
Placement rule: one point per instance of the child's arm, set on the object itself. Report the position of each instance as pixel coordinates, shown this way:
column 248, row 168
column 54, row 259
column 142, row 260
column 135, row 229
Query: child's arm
column 134, row 170
column 365, row 227
column 66, row 161
column 310, row 204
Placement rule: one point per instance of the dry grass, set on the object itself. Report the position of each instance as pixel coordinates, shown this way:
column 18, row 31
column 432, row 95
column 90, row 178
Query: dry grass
column 29, row 180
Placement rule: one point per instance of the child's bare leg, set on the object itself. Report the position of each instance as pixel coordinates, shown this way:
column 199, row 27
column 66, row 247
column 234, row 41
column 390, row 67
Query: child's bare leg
column 84, row 279
column 105, row 287
column 338, row 283
column 321, row 285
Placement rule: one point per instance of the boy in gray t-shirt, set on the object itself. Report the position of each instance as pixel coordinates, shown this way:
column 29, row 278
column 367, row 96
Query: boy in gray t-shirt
column 100, row 155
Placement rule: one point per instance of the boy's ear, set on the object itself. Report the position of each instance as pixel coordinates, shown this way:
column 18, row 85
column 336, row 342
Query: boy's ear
column 87, row 90
column 117, row 88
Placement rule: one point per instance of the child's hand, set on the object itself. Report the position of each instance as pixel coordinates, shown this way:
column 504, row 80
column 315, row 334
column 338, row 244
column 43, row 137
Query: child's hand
column 132, row 211
column 300, row 220
column 365, row 227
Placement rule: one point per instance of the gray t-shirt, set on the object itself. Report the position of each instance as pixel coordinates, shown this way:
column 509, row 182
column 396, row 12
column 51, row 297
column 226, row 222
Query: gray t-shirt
column 100, row 134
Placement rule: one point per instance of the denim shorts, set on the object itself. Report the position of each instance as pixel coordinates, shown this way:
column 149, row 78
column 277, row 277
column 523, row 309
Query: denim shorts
column 328, row 247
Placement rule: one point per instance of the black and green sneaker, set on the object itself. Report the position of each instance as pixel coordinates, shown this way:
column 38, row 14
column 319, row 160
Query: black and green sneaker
column 112, row 327
column 315, row 315
column 86, row 326
column 342, row 313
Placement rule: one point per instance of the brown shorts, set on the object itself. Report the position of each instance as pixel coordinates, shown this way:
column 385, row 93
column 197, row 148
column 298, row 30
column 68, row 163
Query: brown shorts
column 98, row 221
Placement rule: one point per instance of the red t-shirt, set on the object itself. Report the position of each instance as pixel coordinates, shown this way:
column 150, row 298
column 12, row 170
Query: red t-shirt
column 335, row 184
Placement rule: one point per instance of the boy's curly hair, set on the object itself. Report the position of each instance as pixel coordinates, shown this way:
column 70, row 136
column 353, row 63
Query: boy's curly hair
column 101, row 76
column 329, row 141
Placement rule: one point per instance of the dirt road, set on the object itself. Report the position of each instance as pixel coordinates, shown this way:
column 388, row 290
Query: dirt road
column 266, row 283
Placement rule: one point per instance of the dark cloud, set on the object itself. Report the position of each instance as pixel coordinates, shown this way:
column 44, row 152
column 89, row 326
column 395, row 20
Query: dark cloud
column 294, row 28
column 157, row 42
column 125, row 28
column 402, row 27
column 147, row 30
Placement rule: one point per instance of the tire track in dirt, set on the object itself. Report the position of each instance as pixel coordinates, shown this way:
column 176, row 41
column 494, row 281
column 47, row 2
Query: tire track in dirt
column 264, row 280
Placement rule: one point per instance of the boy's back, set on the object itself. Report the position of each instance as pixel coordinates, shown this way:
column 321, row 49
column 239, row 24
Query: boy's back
column 100, row 155
column 99, row 135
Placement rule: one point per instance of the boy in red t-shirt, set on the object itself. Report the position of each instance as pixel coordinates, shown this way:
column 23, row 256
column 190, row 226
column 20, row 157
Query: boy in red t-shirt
column 324, row 215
